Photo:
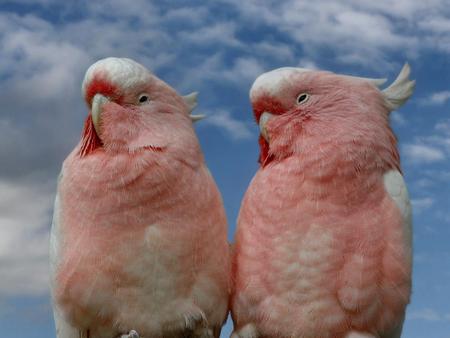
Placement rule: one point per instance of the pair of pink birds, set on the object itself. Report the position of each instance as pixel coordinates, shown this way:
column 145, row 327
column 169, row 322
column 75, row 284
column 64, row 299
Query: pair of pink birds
column 323, row 246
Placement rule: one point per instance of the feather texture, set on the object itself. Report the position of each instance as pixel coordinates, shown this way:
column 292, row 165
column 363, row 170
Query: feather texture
column 139, row 236
column 323, row 245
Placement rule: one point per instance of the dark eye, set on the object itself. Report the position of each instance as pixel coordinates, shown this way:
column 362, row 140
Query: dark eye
column 302, row 98
column 143, row 98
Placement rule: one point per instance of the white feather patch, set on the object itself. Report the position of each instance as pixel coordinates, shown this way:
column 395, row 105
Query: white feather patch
column 396, row 188
column 400, row 90
column 55, row 236
column 121, row 71
column 63, row 328
column 271, row 81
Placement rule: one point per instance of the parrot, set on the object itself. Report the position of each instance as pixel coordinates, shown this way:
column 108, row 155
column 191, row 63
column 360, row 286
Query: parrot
column 323, row 246
column 138, row 245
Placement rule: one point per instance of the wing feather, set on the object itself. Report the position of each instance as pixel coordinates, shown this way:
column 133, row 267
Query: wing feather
column 63, row 328
column 396, row 188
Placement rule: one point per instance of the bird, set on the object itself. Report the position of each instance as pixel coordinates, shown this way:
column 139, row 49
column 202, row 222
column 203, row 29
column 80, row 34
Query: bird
column 138, row 246
column 323, row 241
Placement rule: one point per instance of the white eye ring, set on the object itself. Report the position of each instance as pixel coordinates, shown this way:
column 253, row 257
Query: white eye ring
column 302, row 98
column 143, row 98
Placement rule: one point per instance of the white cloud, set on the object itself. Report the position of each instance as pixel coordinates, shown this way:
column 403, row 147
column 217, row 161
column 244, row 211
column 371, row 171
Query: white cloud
column 241, row 73
column 196, row 16
column 398, row 118
column 430, row 148
column 443, row 126
column 37, row 61
column 428, row 314
column 437, row 98
column 441, row 137
column 421, row 204
column 307, row 63
column 356, row 31
column 236, row 129
column 123, row 8
column 244, row 70
column 420, row 153
column 433, row 177
column 438, row 24
column 425, row 314
column 273, row 49
column 424, row 183
column 353, row 31
column 25, row 209
column 221, row 33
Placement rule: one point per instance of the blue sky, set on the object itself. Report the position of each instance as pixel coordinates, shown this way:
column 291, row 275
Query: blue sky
column 217, row 48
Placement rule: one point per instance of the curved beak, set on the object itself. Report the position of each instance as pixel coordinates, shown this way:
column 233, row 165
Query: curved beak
column 97, row 107
column 264, row 118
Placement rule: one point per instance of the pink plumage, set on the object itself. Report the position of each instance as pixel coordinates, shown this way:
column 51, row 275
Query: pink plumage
column 139, row 238
column 323, row 246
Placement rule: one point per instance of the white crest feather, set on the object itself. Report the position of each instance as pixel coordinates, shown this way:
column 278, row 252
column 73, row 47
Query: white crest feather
column 123, row 72
column 396, row 188
column 271, row 81
column 191, row 100
column 400, row 90
column 195, row 118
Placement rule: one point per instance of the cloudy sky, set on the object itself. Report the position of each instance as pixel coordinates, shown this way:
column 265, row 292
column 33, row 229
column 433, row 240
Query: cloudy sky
column 216, row 48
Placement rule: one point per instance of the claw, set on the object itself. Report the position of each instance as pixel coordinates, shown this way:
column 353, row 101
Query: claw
column 194, row 320
column 131, row 334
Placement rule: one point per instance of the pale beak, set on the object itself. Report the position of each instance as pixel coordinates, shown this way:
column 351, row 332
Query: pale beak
column 266, row 116
column 97, row 107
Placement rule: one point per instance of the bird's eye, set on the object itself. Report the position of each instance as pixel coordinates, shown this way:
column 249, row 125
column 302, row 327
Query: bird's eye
column 302, row 98
column 143, row 98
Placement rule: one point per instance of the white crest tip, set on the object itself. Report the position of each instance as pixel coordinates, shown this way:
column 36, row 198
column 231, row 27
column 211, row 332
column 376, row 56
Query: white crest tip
column 195, row 118
column 400, row 90
column 191, row 100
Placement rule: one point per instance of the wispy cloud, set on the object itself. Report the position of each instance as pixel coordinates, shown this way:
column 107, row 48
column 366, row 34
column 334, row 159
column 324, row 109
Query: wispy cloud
column 244, row 69
column 236, row 129
column 438, row 98
column 428, row 314
column 434, row 147
column 25, row 209
column 421, row 204
column 359, row 32
column 398, row 118
column 420, row 153
column 194, row 48
column 443, row 127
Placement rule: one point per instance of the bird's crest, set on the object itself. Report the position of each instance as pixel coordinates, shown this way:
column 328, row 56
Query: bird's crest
column 400, row 90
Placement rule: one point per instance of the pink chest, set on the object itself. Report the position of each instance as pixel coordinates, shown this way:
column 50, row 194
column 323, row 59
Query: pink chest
column 114, row 231
column 323, row 245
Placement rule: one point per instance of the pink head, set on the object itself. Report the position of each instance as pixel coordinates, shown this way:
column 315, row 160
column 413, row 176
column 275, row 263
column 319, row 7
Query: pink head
column 301, row 111
column 131, row 109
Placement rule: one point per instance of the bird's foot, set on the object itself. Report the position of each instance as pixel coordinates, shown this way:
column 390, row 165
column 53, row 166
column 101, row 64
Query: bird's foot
column 195, row 320
column 131, row 334
column 246, row 331
column 185, row 318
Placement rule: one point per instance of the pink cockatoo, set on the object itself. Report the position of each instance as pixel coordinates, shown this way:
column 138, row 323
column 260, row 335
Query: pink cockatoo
column 323, row 245
column 139, row 239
